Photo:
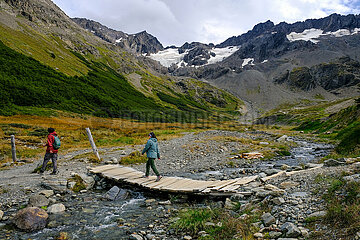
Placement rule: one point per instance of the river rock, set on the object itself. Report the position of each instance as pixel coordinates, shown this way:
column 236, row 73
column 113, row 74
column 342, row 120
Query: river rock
column 268, row 219
column 283, row 138
column 258, row 235
column 56, row 185
column 290, row 230
column 1, row 215
column 114, row 160
column 56, row 208
column 352, row 178
column 135, row 236
column 38, row 200
column 88, row 181
column 31, row 219
column 229, row 204
column 274, row 235
column 47, row 193
column 278, row 201
column 187, row 237
column 333, row 162
column 168, row 202
column 115, row 193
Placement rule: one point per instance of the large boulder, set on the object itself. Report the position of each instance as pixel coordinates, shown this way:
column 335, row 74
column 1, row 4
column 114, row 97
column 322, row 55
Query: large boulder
column 38, row 200
column 116, row 193
column 88, row 181
column 290, row 230
column 31, row 219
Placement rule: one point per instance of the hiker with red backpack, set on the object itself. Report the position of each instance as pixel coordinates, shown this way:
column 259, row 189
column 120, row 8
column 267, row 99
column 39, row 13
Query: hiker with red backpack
column 53, row 145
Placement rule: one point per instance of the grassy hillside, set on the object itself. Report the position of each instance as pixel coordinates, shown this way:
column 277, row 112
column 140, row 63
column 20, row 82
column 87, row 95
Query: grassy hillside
column 25, row 82
column 343, row 126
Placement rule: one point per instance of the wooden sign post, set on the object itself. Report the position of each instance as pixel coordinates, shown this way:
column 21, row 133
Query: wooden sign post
column 92, row 143
column 13, row 148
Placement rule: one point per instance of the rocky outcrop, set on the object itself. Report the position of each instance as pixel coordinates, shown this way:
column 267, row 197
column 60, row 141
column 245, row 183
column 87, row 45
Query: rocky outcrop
column 31, row 219
column 330, row 76
column 141, row 42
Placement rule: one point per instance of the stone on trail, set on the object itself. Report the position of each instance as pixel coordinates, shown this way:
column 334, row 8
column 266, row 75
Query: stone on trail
column 278, row 201
column 1, row 214
column 318, row 214
column 56, row 208
column 47, row 193
column 56, row 185
column 290, row 230
column 268, row 219
column 288, row 184
column 31, row 219
column 38, row 200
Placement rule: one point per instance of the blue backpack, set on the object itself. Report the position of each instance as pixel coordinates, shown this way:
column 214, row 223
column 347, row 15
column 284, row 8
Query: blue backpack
column 56, row 143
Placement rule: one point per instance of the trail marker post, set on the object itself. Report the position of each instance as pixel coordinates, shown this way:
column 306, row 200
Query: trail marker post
column 13, row 148
column 92, row 143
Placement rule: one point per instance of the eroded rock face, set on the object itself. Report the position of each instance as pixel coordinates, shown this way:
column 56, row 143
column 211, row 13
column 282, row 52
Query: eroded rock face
column 31, row 219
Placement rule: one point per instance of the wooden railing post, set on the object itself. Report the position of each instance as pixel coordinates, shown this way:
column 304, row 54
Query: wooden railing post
column 13, row 148
column 92, row 143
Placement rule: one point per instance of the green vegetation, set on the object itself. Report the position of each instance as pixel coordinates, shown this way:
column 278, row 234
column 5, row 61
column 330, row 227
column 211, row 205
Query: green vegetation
column 342, row 205
column 343, row 126
column 217, row 223
column 133, row 158
column 79, row 183
column 102, row 92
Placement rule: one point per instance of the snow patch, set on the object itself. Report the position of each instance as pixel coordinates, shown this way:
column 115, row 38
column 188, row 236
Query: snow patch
column 306, row 35
column 168, row 57
column 221, row 54
column 247, row 61
column 118, row 40
column 313, row 34
column 265, row 61
column 172, row 56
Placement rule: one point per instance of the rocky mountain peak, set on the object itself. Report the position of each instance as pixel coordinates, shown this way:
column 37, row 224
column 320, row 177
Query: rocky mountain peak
column 141, row 42
column 263, row 27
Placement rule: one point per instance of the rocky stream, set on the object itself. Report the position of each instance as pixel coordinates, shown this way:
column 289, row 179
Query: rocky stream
column 127, row 213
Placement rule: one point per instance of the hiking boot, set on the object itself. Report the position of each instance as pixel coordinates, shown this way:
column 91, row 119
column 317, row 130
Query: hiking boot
column 145, row 176
column 158, row 178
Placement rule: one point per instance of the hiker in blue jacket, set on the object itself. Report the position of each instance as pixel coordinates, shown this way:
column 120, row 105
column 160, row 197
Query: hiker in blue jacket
column 152, row 152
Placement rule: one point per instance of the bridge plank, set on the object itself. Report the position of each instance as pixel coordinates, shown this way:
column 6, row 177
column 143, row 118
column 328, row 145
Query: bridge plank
column 102, row 168
column 172, row 184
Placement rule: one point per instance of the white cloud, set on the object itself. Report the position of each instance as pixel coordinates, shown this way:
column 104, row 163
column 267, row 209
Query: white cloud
column 178, row 21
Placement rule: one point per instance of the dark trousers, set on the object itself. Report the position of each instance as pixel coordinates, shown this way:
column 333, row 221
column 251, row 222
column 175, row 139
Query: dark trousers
column 47, row 157
column 150, row 163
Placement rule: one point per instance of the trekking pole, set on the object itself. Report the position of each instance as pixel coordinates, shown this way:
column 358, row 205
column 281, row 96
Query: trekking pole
column 13, row 148
column 92, row 143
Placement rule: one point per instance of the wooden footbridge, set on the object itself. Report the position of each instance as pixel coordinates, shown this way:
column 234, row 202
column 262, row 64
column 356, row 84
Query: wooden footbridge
column 179, row 185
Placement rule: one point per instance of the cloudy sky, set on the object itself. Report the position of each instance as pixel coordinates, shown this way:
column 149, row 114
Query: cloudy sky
column 174, row 22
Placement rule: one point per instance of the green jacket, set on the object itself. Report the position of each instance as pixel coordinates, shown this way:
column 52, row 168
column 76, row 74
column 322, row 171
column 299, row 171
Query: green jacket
column 151, row 148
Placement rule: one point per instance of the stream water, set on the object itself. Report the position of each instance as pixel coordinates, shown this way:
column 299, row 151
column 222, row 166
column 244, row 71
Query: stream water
column 89, row 216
